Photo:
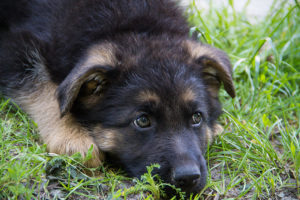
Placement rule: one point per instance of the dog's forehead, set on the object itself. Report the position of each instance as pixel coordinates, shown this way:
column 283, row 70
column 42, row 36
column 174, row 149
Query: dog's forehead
column 185, row 95
column 162, row 81
column 155, row 72
column 167, row 94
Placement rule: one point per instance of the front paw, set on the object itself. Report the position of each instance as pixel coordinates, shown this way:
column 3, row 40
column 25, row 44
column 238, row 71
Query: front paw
column 70, row 146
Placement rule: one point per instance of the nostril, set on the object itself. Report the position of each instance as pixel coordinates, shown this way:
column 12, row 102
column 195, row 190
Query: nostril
column 184, row 176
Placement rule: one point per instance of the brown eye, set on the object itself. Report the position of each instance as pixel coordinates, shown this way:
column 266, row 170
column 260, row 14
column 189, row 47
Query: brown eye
column 142, row 121
column 197, row 119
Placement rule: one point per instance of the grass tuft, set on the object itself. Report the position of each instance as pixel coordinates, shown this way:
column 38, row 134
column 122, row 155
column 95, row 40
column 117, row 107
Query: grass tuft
column 258, row 155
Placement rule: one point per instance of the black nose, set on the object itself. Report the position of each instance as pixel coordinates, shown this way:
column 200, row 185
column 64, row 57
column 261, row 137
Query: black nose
column 187, row 175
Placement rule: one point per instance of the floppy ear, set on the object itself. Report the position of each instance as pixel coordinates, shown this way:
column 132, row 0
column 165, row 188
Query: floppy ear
column 215, row 67
column 82, row 82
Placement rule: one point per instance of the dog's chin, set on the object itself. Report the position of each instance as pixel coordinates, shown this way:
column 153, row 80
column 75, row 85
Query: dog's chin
column 194, row 189
column 188, row 189
column 171, row 192
column 166, row 178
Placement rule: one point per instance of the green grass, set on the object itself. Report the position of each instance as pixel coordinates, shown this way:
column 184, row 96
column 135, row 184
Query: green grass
column 257, row 157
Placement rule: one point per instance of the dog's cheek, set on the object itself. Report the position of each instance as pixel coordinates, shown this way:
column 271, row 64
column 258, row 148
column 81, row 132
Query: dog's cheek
column 122, row 149
column 212, row 133
column 106, row 139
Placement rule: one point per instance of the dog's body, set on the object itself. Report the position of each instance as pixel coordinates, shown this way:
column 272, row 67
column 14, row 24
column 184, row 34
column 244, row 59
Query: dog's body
column 121, row 75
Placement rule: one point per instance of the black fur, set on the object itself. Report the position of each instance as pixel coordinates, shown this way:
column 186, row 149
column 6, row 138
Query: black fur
column 68, row 32
column 46, row 41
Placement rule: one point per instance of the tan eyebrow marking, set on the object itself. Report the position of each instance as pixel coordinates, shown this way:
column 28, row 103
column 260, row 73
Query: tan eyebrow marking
column 188, row 95
column 148, row 96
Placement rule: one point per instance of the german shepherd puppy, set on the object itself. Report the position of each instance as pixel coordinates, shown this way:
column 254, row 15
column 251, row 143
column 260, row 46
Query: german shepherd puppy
column 122, row 76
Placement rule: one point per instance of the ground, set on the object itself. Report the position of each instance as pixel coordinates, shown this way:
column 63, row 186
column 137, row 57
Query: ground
column 257, row 156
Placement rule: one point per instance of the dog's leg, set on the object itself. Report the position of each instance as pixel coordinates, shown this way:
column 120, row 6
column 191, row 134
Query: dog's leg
column 62, row 135
column 25, row 79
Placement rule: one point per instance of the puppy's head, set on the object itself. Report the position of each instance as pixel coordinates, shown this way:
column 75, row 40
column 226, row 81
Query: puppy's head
column 150, row 101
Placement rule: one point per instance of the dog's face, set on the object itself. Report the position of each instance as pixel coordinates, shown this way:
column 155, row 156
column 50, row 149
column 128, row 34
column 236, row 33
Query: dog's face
column 147, row 102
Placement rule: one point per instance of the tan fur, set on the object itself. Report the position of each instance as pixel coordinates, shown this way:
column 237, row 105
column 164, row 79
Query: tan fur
column 106, row 139
column 90, row 101
column 91, row 86
column 97, row 58
column 91, row 93
column 62, row 135
column 214, row 91
column 196, row 50
column 212, row 133
column 100, row 54
column 215, row 64
column 214, row 85
column 146, row 95
column 188, row 95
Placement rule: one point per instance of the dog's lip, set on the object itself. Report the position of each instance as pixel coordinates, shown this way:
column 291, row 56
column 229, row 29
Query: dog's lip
column 193, row 187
